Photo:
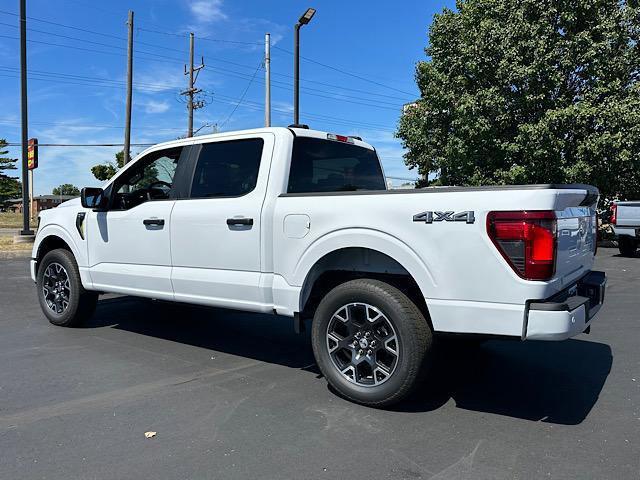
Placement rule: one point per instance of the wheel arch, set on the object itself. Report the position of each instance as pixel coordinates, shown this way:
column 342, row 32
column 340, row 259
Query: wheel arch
column 51, row 238
column 352, row 262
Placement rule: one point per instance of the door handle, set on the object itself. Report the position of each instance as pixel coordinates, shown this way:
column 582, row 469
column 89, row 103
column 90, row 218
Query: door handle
column 153, row 221
column 239, row 221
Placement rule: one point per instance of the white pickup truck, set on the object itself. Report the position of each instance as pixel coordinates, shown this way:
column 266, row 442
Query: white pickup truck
column 300, row 223
column 625, row 217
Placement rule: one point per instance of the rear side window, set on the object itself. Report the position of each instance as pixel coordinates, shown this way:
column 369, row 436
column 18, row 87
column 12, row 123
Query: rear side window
column 319, row 165
column 227, row 169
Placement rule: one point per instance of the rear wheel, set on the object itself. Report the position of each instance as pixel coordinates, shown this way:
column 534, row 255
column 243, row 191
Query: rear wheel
column 627, row 245
column 63, row 299
column 371, row 342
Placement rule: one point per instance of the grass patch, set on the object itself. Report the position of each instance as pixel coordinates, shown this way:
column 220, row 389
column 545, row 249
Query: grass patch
column 7, row 245
column 12, row 220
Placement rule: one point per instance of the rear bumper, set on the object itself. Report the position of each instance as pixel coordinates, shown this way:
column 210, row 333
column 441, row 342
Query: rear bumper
column 568, row 313
column 632, row 231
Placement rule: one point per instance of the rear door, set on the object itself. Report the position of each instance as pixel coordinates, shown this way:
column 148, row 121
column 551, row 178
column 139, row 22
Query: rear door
column 215, row 232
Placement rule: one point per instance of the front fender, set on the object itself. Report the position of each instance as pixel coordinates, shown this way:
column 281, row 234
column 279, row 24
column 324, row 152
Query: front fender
column 77, row 246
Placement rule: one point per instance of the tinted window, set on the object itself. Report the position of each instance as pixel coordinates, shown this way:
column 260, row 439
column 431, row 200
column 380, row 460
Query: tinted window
column 319, row 165
column 227, row 169
column 151, row 178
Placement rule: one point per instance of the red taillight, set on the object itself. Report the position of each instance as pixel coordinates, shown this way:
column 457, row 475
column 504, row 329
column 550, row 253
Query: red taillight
column 614, row 213
column 527, row 240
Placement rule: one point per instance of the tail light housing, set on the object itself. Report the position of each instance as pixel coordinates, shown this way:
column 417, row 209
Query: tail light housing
column 526, row 240
column 614, row 214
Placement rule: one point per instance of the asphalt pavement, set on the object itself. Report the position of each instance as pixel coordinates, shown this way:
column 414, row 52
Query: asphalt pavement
column 232, row 395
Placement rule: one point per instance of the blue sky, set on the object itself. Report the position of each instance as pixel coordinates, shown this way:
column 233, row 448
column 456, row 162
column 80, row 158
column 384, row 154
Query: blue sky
column 76, row 84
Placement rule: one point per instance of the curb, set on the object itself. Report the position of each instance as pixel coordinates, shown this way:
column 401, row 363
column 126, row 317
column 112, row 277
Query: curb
column 11, row 254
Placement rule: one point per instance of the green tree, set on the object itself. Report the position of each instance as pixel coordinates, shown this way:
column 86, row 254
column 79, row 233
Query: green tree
column 530, row 91
column 10, row 187
column 66, row 189
column 105, row 171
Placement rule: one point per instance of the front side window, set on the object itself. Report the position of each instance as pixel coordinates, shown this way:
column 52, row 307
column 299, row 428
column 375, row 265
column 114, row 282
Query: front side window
column 227, row 169
column 150, row 179
column 319, row 165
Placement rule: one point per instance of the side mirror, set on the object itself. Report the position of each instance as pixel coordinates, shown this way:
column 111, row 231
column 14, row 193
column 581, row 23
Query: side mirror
column 92, row 197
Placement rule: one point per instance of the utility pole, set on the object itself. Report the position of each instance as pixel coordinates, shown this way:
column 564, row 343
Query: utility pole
column 127, row 126
column 192, row 91
column 26, row 230
column 267, row 80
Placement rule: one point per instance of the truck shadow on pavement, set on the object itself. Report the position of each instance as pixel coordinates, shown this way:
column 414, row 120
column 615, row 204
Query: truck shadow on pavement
column 554, row 382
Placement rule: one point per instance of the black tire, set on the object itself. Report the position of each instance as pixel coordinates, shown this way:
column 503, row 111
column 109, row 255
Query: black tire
column 627, row 246
column 58, row 272
column 405, row 321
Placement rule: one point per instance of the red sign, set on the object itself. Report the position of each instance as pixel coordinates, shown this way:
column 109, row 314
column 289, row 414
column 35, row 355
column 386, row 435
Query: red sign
column 32, row 154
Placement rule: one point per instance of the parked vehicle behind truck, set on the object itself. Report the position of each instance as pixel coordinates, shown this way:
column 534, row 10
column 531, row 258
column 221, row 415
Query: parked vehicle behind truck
column 625, row 218
column 300, row 223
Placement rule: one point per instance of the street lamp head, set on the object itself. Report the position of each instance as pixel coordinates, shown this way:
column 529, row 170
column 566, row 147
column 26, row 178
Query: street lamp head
column 307, row 16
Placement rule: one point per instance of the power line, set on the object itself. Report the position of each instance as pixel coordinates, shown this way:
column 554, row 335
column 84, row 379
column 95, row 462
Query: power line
column 231, row 101
column 241, row 97
column 337, row 96
column 212, row 39
column 49, row 22
column 320, row 117
column 16, row 144
column 8, row 121
column 93, row 79
column 344, row 72
column 209, row 39
column 183, row 51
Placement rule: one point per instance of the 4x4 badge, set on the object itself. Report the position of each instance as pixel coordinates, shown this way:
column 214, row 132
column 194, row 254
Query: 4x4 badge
column 430, row 217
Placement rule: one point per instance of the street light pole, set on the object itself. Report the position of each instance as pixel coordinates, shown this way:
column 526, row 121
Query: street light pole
column 304, row 19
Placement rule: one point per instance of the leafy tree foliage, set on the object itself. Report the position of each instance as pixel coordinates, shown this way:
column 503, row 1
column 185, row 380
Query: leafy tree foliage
column 530, row 91
column 105, row 171
column 66, row 189
column 10, row 187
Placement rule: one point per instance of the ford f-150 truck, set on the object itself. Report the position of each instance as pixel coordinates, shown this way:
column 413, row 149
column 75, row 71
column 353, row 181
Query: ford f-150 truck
column 300, row 223
column 625, row 217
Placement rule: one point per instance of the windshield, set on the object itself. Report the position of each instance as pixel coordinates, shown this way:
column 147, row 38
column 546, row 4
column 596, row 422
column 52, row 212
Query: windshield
column 319, row 165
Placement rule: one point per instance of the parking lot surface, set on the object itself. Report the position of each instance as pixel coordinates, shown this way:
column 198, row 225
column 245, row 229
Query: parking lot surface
column 234, row 395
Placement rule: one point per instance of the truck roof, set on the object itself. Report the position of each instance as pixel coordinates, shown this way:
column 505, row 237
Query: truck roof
column 296, row 131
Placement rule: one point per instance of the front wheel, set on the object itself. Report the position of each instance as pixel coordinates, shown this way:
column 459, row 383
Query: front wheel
column 627, row 245
column 371, row 342
column 63, row 299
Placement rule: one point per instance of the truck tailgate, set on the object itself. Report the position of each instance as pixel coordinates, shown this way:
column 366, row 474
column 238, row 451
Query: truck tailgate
column 577, row 236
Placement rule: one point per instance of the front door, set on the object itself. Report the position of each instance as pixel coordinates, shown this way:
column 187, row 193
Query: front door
column 215, row 233
column 129, row 244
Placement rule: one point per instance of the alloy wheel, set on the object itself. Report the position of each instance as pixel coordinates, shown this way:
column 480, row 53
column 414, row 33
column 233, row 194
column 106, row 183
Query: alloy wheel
column 56, row 288
column 363, row 344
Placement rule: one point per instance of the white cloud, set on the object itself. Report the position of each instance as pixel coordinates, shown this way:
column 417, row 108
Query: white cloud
column 159, row 79
column 207, row 11
column 153, row 106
